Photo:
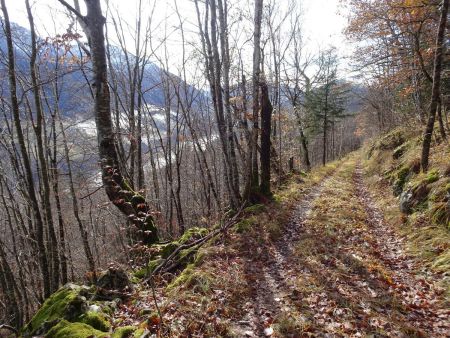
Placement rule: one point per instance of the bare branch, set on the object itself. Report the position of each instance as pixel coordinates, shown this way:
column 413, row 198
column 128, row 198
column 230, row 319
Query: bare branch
column 73, row 10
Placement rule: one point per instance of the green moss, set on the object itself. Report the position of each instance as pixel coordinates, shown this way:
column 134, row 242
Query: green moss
column 255, row 209
column 187, row 256
column 124, row 332
column 151, row 266
column 400, row 176
column 164, row 250
column 197, row 281
column 138, row 333
column 432, row 176
column 137, row 199
column 244, row 225
column 65, row 329
column 193, row 234
column 183, row 277
column 399, row 151
column 392, row 140
column 96, row 320
column 66, row 303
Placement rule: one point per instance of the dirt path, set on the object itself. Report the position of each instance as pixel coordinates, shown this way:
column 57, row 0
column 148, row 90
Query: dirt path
column 340, row 270
column 275, row 293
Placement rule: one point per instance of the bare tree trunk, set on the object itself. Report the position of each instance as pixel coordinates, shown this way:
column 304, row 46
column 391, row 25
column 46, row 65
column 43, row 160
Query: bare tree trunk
column 305, row 151
column 266, row 119
column 435, row 93
column 324, row 138
column 233, row 168
column 39, row 229
column 55, row 185
column 253, row 175
column 130, row 203
column 41, row 156
column 76, row 212
column 440, row 120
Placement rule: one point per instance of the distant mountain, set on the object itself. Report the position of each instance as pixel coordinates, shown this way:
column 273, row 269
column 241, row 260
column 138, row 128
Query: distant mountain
column 73, row 90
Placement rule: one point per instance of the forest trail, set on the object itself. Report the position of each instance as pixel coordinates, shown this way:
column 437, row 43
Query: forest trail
column 339, row 269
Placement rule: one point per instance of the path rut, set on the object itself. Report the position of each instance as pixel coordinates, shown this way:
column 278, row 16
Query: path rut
column 274, row 293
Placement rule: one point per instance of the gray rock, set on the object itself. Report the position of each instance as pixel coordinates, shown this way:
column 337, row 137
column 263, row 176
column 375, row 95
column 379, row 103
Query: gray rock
column 406, row 201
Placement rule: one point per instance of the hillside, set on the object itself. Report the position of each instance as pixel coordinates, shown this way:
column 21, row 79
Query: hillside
column 224, row 168
column 331, row 254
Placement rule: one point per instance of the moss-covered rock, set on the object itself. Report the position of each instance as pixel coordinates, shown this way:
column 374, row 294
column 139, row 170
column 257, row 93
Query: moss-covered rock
column 97, row 320
column 66, row 329
column 187, row 256
column 68, row 303
column 166, row 249
column 124, row 332
column 114, row 279
column 196, row 280
column 400, row 178
column 193, row 234
column 392, row 140
column 163, row 251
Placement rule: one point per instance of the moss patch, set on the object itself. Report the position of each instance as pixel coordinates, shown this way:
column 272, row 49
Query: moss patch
column 124, row 332
column 254, row 209
column 145, row 271
column 400, row 178
column 432, row 176
column 65, row 329
column 163, row 251
column 96, row 320
column 195, row 280
column 68, row 303
column 244, row 225
column 193, row 234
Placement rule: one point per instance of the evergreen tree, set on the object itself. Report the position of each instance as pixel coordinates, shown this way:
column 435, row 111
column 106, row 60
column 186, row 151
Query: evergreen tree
column 327, row 102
